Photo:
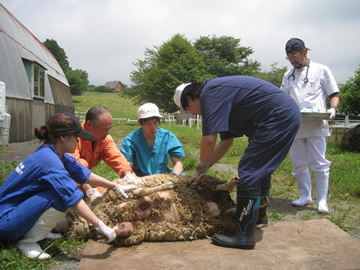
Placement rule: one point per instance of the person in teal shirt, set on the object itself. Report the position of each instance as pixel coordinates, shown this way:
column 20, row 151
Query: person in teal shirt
column 148, row 148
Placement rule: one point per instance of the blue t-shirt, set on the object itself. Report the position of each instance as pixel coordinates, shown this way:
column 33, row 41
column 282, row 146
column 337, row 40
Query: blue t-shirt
column 41, row 171
column 147, row 161
column 236, row 105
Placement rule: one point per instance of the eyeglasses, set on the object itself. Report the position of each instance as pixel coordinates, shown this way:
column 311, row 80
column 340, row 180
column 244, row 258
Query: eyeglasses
column 292, row 56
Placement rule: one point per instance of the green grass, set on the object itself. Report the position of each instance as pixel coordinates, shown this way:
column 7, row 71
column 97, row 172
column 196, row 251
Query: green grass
column 344, row 188
column 119, row 107
column 62, row 250
column 5, row 169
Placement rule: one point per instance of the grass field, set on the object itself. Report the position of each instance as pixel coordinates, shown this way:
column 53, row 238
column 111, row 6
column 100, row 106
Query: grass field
column 344, row 189
column 119, row 107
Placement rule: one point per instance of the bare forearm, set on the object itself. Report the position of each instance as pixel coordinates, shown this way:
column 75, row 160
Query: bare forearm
column 220, row 150
column 207, row 147
column 97, row 180
column 83, row 210
column 178, row 167
column 334, row 101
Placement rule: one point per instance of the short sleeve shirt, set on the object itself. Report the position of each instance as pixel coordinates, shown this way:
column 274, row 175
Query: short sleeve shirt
column 311, row 96
column 147, row 161
column 234, row 106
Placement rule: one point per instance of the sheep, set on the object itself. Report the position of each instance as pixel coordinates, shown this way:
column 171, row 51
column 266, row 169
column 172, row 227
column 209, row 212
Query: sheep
column 164, row 208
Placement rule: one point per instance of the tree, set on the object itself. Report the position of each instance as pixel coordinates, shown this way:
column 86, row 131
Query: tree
column 350, row 95
column 102, row 89
column 78, row 81
column 58, row 53
column 223, row 56
column 162, row 70
column 275, row 75
column 91, row 88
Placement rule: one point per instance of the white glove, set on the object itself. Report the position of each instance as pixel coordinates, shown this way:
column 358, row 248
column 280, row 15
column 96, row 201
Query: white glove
column 130, row 178
column 332, row 112
column 107, row 231
column 122, row 189
column 93, row 193
column 201, row 168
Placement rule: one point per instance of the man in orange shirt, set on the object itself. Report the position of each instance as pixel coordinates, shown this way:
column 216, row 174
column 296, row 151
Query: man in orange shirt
column 102, row 147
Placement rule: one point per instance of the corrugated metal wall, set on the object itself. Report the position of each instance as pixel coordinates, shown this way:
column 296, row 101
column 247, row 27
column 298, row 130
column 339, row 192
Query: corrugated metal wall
column 20, row 127
column 62, row 95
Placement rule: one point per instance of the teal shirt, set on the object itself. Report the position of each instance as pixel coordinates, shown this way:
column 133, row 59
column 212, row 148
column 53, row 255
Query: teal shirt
column 148, row 161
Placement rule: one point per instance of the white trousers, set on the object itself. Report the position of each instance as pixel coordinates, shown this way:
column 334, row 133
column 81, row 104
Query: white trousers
column 310, row 151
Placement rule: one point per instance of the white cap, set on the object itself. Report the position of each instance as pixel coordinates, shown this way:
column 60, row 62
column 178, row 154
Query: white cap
column 177, row 98
column 148, row 110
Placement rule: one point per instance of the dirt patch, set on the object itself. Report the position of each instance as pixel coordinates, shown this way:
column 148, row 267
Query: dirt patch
column 19, row 151
column 313, row 244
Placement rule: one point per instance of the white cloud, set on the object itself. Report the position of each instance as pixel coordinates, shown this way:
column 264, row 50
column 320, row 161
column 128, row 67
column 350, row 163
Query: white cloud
column 106, row 37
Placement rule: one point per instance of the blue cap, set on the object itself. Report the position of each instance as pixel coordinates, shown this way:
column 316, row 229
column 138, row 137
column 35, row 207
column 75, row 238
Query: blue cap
column 295, row 44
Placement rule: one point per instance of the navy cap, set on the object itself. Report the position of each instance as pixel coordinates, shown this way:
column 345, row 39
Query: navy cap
column 295, row 44
column 75, row 130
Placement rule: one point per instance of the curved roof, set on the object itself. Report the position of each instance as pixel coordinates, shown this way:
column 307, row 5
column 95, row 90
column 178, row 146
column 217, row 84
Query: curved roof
column 18, row 43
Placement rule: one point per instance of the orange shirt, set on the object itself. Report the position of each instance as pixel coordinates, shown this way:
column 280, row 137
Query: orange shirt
column 90, row 155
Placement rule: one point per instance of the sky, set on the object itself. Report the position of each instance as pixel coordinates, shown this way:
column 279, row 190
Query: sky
column 106, row 37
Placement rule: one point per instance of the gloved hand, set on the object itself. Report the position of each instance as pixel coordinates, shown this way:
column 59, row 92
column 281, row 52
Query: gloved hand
column 93, row 193
column 130, row 178
column 107, row 231
column 201, row 168
column 122, row 189
column 332, row 112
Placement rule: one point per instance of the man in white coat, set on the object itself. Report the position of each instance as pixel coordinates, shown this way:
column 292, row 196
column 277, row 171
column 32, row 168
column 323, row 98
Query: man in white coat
column 310, row 84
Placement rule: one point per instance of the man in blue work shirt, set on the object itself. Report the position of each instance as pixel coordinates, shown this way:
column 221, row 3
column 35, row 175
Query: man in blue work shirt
column 233, row 107
column 148, row 148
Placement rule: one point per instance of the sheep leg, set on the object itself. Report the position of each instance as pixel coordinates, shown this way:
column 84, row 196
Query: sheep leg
column 148, row 191
column 265, row 200
column 229, row 185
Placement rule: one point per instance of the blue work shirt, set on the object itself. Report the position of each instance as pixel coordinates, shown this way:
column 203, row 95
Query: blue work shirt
column 41, row 181
column 147, row 161
column 235, row 106
column 239, row 104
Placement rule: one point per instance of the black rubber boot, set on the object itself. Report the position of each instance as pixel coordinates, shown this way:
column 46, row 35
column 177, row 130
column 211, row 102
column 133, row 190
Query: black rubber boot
column 247, row 210
column 265, row 197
